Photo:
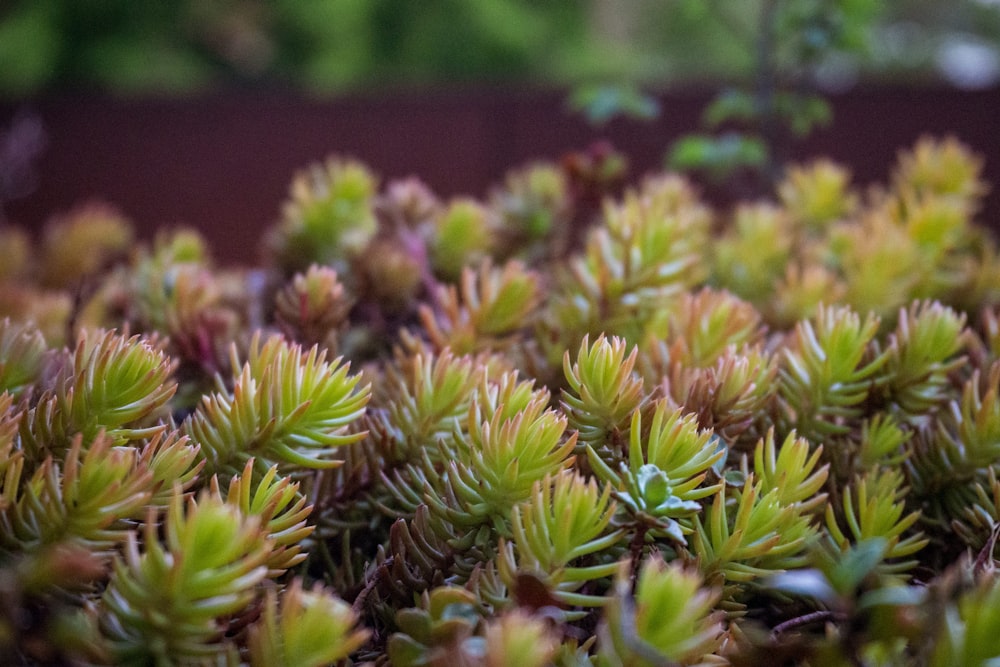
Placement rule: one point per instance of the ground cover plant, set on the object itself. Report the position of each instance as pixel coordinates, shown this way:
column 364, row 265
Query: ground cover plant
column 511, row 431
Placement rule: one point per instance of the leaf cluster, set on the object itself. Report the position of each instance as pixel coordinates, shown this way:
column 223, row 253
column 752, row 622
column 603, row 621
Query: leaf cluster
column 664, row 446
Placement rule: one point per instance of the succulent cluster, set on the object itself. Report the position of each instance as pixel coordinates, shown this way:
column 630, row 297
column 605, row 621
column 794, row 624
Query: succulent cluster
column 511, row 431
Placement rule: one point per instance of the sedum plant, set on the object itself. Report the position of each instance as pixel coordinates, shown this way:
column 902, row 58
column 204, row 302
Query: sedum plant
column 313, row 308
column 167, row 600
column 645, row 255
column 115, row 385
column 306, row 627
column 493, row 307
column 661, row 480
column 94, row 496
column 289, row 405
column 22, row 353
column 668, row 619
column 873, row 509
column 564, row 520
column 328, row 218
column 531, row 429
column 604, row 392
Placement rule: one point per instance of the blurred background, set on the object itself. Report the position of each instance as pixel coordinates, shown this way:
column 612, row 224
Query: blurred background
column 198, row 111
column 326, row 47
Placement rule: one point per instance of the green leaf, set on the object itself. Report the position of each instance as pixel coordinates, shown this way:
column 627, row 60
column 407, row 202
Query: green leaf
column 807, row 583
column 851, row 568
column 602, row 103
column 893, row 596
column 804, row 113
column 718, row 156
column 729, row 106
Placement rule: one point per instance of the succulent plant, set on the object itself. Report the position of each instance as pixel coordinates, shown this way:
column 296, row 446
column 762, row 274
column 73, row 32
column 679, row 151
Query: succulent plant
column 430, row 434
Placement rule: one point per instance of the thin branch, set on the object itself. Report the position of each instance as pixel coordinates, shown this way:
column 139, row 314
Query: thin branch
column 806, row 619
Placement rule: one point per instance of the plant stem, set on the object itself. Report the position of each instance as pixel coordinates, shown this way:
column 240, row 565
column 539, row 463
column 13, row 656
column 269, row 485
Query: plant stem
column 805, row 619
column 635, row 548
column 359, row 602
column 766, row 76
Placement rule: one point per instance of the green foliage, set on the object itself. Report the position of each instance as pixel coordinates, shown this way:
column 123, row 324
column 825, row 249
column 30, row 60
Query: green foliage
column 307, row 627
column 87, row 500
column 873, row 508
column 287, row 406
column 668, row 619
column 505, row 455
column 534, row 207
column 818, row 194
column 824, row 376
column 603, row 392
column 969, row 632
column 462, row 236
column 84, row 242
column 941, row 168
column 728, row 396
column 643, row 257
column 787, row 43
column 442, row 626
column 773, row 526
column 174, row 291
column 826, row 244
column 706, row 325
column 423, row 396
column 882, row 442
column 922, row 354
column 789, row 469
column 666, row 465
column 166, row 600
column 736, row 461
column 718, row 156
column 94, row 497
column 487, row 311
column 951, row 465
column 323, row 47
column 328, row 217
column 282, row 512
column 517, row 639
column 749, row 260
column 838, row 575
column 751, row 533
column 332, row 45
column 600, row 104
column 565, row 519
column 110, row 384
column 22, row 350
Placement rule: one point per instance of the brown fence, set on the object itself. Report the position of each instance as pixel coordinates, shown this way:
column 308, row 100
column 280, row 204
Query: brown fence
column 223, row 162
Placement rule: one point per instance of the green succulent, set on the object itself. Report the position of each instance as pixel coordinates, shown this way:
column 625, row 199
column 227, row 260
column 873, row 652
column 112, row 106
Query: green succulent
column 287, row 406
column 668, row 619
column 22, row 352
column 773, row 435
column 167, row 597
column 873, row 508
column 662, row 481
column 604, row 392
column 110, row 383
column 311, row 628
column 825, row 375
column 565, row 519
column 328, row 218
